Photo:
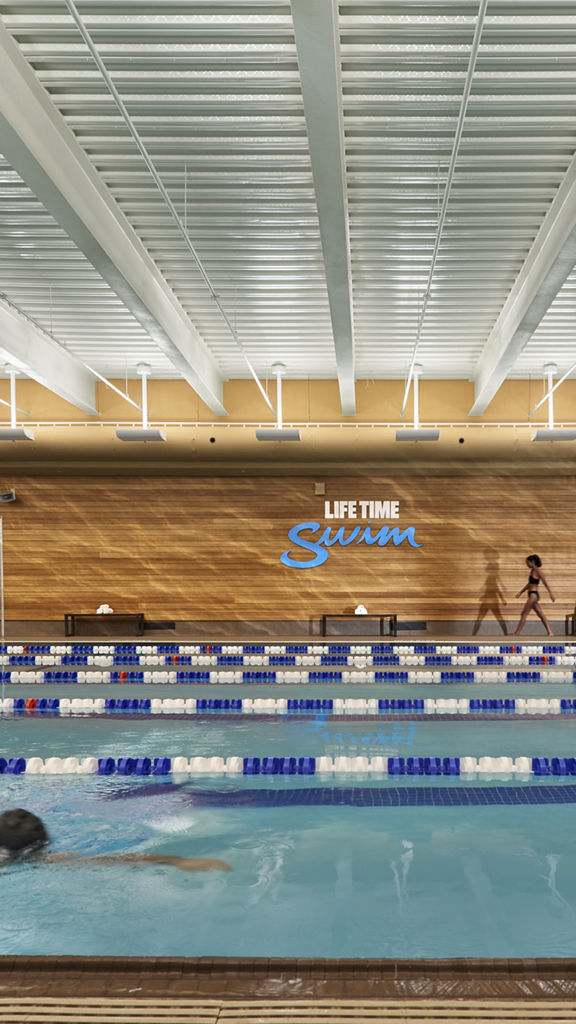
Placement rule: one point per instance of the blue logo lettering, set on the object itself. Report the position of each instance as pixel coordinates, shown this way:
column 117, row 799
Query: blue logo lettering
column 309, row 545
column 326, row 540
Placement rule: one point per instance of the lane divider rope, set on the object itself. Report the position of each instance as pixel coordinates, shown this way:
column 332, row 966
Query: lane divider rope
column 398, row 657
column 315, row 677
column 342, row 653
column 287, row 765
column 287, row 706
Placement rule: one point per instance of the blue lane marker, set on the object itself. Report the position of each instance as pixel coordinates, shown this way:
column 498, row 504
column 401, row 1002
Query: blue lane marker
column 394, row 797
column 359, row 796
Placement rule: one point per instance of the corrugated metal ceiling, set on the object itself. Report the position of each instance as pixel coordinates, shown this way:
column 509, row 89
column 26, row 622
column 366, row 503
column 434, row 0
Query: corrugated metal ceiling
column 214, row 91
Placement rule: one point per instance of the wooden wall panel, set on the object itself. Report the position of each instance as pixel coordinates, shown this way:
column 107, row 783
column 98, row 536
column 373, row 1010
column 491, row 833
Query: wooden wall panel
column 209, row 548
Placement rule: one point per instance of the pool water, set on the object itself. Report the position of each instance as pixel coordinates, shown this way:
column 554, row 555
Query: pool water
column 307, row 881
column 318, row 735
column 277, row 690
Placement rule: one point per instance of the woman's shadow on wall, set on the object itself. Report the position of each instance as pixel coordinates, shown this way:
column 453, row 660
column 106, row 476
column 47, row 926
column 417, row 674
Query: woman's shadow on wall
column 492, row 598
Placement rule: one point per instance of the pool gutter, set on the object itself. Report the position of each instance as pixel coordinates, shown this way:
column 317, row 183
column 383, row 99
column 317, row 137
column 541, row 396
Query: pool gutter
column 280, row 978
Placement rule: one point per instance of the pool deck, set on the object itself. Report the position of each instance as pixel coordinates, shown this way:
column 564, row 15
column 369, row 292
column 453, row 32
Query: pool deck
column 91, row 1010
column 220, row 978
column 38, row 636
column 287, row 631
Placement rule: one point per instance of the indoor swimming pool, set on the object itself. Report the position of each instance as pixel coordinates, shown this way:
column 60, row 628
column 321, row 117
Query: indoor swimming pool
column 351, row 831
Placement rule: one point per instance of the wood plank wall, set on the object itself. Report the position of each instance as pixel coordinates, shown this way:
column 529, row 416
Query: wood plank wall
column 209, row 548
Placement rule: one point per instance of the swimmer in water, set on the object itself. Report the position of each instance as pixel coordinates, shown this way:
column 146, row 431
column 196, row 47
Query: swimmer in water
column 22, row 834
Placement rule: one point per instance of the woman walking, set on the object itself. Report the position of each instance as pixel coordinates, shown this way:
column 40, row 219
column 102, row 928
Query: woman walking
column 536, row 576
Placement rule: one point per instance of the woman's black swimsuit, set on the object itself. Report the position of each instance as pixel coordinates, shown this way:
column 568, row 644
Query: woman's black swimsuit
column 534, row 580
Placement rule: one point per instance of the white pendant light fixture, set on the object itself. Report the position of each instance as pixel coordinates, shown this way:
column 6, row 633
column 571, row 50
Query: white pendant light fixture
column 417, row 433
column 278, row 433
column 551, row 433
column 14, row 433
column 143, row 433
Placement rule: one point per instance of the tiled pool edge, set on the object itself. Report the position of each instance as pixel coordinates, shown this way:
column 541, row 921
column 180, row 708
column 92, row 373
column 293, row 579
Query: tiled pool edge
column 261, row 978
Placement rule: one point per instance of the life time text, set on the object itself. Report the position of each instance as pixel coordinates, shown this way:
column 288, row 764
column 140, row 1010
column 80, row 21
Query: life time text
column 311, row 537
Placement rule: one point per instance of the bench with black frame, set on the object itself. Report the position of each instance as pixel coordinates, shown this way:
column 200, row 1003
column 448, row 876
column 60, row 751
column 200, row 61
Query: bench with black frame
column 71, row 618
column 380, row 617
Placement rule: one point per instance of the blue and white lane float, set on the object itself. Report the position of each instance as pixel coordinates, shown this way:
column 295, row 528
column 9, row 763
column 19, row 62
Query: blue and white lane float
column 288, row 706
column 399, row 656
column 249, row 653
column 285, row 765
column 267, row 676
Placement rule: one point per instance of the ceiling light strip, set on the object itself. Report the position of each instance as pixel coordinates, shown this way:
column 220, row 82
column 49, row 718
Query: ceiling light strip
column 449, row 179
column 159, row 184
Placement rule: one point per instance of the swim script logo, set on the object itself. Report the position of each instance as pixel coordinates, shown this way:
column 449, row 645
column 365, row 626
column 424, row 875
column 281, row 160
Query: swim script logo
column 311, row 537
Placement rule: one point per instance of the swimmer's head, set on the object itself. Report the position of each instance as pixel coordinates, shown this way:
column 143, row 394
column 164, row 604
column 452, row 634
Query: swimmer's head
column 21, row 832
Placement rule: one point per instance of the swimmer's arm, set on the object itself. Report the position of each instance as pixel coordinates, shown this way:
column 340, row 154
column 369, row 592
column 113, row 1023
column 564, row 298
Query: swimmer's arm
column 520, row 592
column 182, row 863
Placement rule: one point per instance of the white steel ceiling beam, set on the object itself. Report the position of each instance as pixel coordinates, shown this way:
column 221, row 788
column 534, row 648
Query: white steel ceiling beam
column 448, row 185
column 36, row 141
column 318, row 48
column 551, row 259
column 26, row 347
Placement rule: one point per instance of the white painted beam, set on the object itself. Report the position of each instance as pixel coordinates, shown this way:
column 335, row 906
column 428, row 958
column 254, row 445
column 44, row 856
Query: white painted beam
column 38, row 144
column 551, row 259
column 27, row 347
column 318, row 48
